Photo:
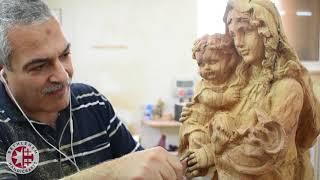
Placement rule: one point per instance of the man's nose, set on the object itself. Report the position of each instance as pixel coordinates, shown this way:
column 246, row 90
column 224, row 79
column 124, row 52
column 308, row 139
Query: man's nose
column 59, row 73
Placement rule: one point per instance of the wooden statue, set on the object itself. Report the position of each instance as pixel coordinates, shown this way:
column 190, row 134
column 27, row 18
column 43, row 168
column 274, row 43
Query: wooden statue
column 217, row 60
column 267, row 131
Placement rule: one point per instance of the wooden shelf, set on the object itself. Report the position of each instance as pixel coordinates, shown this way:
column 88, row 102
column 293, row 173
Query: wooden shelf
column 161, row 123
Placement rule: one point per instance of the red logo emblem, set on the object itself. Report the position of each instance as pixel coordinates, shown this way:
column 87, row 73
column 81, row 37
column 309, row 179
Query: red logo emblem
column 22, row 157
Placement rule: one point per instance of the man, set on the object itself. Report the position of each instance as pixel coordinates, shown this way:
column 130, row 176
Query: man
column 50, row 128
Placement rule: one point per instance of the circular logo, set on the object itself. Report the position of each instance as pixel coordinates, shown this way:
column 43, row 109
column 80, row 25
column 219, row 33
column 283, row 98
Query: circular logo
column 22, row 157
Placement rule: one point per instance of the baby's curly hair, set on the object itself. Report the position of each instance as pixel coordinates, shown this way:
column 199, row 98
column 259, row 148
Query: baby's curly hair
column 217, row 41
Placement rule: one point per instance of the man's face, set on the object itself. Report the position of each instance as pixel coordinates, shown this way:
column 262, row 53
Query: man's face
column 41, row 67
column 247, row 41
column 213, row 65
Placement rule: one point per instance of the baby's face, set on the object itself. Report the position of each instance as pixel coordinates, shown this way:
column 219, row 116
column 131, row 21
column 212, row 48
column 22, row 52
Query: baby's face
column 214, row 66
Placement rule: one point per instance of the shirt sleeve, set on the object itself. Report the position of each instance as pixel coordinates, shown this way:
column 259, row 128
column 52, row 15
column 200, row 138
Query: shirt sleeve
column 121, row 140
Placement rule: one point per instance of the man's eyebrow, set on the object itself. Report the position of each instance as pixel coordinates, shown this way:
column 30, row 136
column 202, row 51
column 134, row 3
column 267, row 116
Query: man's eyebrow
column 35, row 61
column 43, row 60
column 66, row 49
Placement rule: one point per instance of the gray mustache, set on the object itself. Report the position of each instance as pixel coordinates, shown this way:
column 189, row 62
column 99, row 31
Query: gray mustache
column 55, row 87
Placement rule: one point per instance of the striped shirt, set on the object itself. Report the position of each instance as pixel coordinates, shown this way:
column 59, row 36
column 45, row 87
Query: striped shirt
column 98, row 135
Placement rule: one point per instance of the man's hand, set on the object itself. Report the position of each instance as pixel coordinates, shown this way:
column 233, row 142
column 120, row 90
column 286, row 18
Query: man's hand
column 155, row 163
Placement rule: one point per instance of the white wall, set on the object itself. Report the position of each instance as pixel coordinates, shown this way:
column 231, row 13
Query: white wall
column 158, row 34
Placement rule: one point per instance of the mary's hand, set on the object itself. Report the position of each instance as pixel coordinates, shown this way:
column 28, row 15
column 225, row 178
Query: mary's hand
column 196, row 161
column 231, row 96
column 186, row 112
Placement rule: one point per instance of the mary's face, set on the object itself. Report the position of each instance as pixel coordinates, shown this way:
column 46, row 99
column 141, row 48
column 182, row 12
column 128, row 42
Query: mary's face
column 248, row 42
